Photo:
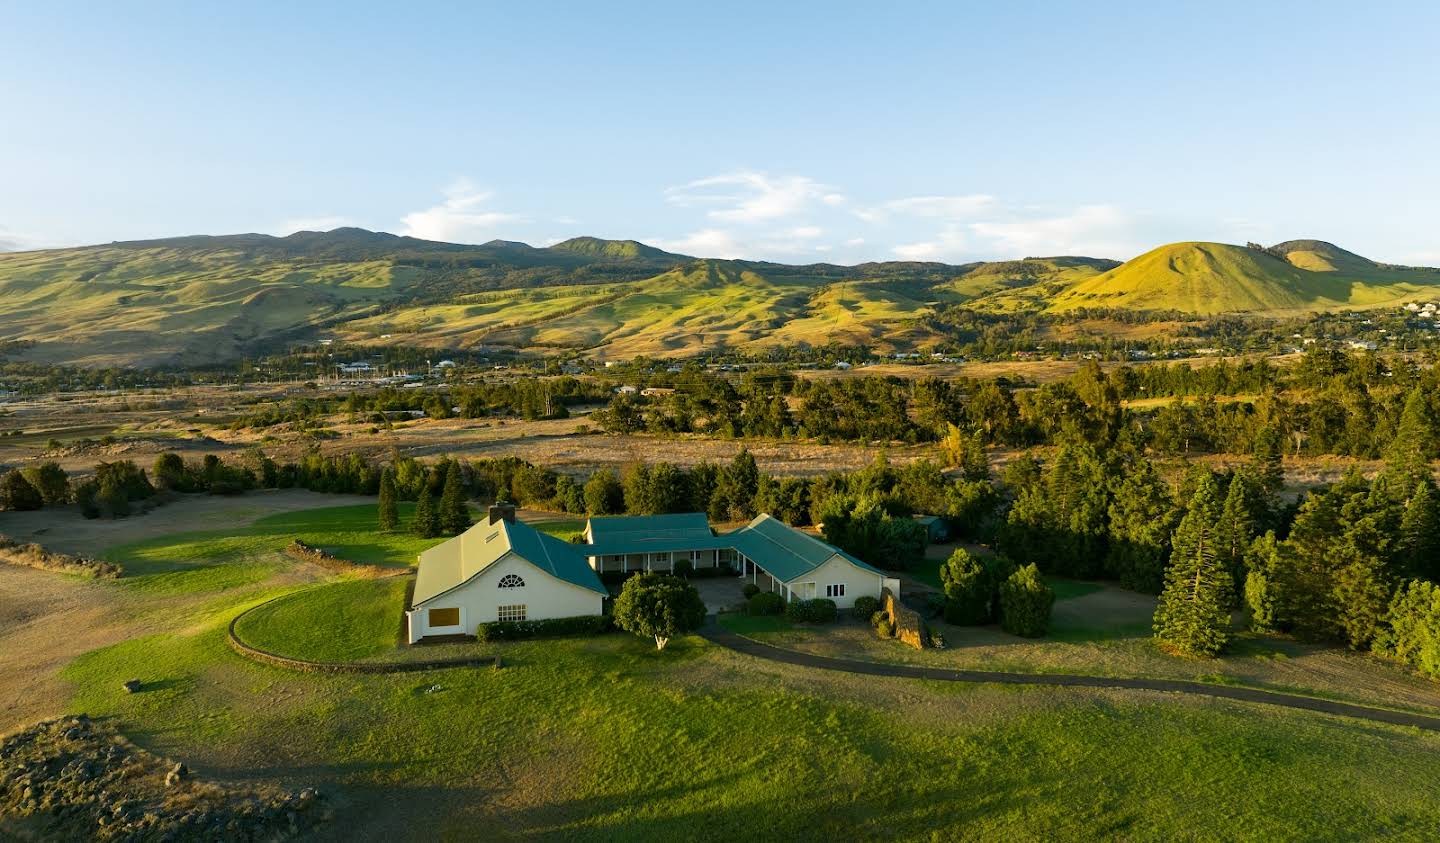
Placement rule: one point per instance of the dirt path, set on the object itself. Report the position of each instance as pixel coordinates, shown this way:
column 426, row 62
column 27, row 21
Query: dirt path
column 67, row 531
column 712, row 632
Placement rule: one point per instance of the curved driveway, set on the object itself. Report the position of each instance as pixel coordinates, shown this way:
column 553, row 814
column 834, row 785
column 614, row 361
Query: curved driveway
column 750, row 647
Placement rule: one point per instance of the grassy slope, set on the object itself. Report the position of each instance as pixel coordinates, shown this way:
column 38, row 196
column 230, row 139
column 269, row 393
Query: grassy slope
column 599, row 738
column 1215, row 278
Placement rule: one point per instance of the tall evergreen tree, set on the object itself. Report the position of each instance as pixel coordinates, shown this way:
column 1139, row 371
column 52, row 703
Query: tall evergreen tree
column 1362, row 583
column 1418, row 544
column 1142, row 516
column 1238, row 526
column 454, row 514
column 426, row 523
column 389, row 511
column 1193, row 617
column 1415, row 443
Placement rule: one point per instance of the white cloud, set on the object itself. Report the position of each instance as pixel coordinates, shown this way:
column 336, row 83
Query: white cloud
column 706, row 243
column 855, row 241
column 805, row 232
column 929, row 207
column 747, row 196
column 1088, row 230
column 461, row 218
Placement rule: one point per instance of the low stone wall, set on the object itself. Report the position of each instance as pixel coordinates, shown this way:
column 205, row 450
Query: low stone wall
column 909, row 626
column 305, row 666
column 330, row 562
column 78, row 779
column 35, row 556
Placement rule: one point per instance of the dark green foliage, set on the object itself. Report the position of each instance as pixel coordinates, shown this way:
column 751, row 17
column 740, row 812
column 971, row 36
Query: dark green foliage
column 454, row 513
column 765, row 603
column 1238, row 526
column 969, row 592
column 1416, row 442
column 569, row 497
column 1412, row 627
column 388, row 509
column 1025, row 603
column 865, row 530
column 1417, row 547
column 1193, row 617
column 603, row 494
column 51, row 481
column 426, row 521
column 818, row 610
column 750, row 590
column 551, row 627
column 1141, row 517
column 864, row 607
column 1262, row 561
column 734, row 496
column 658, row 606
column 16, row 493
column 682, row 568
column 1060, row 523
column 656, row 489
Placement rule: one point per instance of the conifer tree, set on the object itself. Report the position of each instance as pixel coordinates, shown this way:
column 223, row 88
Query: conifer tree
column 1362, row 583
column 1141, row 520
column 1262, row 564
column 968, row 590
column 1415, row 443
column 1418, row 544
column 426, row 523
column 389, row 512
column 454, row 514
column 1193, row 617
column 1238, row 527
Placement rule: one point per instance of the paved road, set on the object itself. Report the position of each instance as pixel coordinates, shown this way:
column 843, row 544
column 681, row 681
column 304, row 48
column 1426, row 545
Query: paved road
column 713, row 632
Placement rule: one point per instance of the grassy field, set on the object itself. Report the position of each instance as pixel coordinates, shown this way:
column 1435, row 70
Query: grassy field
column 602, row 738
column 338, row 622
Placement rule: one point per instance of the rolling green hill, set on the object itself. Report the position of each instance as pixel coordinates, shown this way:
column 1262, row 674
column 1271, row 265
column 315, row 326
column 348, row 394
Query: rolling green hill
column 1218, row 278
column 212, row 299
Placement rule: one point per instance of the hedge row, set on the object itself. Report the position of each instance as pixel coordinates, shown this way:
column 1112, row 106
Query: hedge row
column 515, row 630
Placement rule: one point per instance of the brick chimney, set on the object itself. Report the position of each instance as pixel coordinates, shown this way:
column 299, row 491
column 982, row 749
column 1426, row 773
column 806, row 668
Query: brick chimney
column 502, row 512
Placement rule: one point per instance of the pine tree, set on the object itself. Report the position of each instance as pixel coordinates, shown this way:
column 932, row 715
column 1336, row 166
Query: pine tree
column 389, row 512
column 426, row 523
column 1418, row 544
column 1141, row 520
column 1193, row 617
column 1362, row 582
column 454, row 515
column 1238, row 527
column 1415, row 443
column 1262, row 564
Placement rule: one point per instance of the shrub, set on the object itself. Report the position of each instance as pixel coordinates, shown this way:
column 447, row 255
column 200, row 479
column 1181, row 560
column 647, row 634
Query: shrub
column 515, row 630
column 1025, row 603
column 659, row 606
column 967, row 590
column 865, row 607
column 683, row 568
column 765, row 603
column 750, row 590
column 819, row 610
column 883, row 627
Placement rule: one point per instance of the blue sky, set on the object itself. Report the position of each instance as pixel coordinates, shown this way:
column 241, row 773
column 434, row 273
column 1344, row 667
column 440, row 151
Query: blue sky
column 786, row 131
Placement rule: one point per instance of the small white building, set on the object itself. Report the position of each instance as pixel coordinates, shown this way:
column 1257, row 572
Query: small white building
column 500, row 570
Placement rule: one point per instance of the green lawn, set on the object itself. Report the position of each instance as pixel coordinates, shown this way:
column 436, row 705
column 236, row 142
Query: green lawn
column 342, row 621
column 603, row 737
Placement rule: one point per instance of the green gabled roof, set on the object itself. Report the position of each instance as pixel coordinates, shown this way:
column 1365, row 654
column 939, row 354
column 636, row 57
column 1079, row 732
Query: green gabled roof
column 453, row 563
column 650, row 533
column 783, row 551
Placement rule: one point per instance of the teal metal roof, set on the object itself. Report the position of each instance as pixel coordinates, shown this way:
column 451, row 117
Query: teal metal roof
column 784, row 552
column 651, row 534
column 453, row 563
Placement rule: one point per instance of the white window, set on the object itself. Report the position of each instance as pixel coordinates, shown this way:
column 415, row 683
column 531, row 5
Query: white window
column 511, row 581
column 835, row 589
column 512, row 613
column 694, row 557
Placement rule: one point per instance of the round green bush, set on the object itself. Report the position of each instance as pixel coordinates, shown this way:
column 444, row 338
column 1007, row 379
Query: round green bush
column 765, row 603
column 1025, row 603
column 819, row 610
column 865, row 607
column 750, row 590
column 683, row 568
column 883, row 628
